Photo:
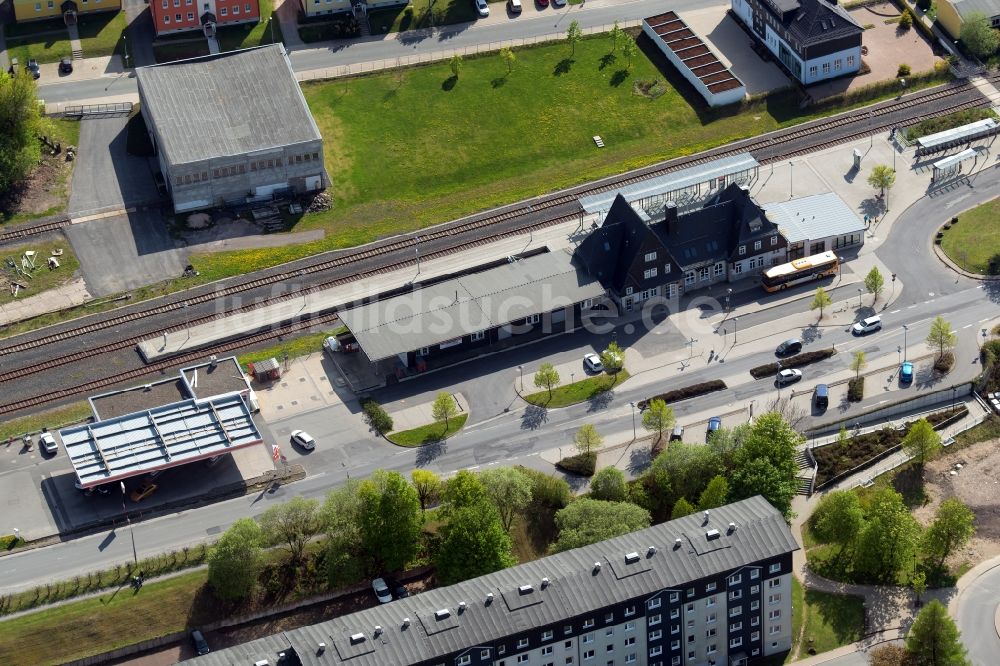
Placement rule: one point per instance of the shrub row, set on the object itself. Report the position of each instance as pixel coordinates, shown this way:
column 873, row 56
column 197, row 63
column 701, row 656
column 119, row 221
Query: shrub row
column 796, row 361
column 583, row 464
column 376, row 417
column 692, row 391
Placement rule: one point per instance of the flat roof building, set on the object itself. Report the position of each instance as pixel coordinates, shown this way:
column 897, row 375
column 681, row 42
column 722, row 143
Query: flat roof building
column 816, row 224
column 231, row 128
column 710, row 588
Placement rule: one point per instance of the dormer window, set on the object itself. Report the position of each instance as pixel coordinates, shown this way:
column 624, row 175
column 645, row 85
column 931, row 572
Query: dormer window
column 774, row 240
column 743, row 250
column 756, row 245
column 650, row 256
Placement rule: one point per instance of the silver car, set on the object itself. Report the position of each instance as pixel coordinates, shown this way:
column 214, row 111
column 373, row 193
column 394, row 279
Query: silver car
column 789, row 376
column 869, row 325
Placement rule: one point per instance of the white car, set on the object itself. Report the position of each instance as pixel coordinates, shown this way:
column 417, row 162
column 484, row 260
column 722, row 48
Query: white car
column 381, row 591
column 303, row 439
column 869, row 325
column 482, row 8
column 592, row 362
column 789, row 375
column 48, row 443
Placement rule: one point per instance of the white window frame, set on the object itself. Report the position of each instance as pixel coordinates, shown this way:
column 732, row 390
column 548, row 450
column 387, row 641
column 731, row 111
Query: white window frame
column 522, row 643
column 735, row 642
column 774, row 614
column 653, row 603
column 743, row 250
column 774, row 568
column 547, row 635
column 465, row 660
column 650, row 256
column 649, row 273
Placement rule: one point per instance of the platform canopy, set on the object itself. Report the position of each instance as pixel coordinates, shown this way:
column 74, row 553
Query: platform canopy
column 154, row 439
column 956, row 135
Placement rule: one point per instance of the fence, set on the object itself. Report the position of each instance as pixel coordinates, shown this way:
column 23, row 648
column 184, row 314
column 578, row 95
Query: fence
column 86, row 110
column 357, row 69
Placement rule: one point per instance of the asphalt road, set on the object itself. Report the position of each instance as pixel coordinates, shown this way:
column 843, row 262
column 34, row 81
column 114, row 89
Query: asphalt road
column 977, row 608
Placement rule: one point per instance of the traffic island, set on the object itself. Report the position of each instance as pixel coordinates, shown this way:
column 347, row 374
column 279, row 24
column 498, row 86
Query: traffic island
column 581, row 391
column 431, row 433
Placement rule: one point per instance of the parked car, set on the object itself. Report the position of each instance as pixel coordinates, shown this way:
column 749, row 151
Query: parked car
column 398, row 589
column 65, row 66
column 483, row 8
column 821, row 396
column 303, row 439
column 788, row 376
column 381, row 591
column 906, row 373
column 714, row 424
column 104, row 489
column 869, row 325
column 542, row 3
column 789, row 347
column 32, row 67
column 592, row 362
column 143, row 491
column 48, row 443
column 200, row 644
column 677, row 434
column 514, row 6
column 559, row 3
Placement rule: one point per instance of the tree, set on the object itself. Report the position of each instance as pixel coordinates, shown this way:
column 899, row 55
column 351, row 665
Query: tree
column 765, row 463
column 941, row 336
column 616, row 36
column 474, row 543
column 658, row 417
column 463, row 489
column 952, row 528
column 858, row 363
column 629, row 48
column 820, row 300
column 587, row 439
column 294, row 522
column 919, row 584
column 22, row 124
column 978, row 36
column 875, row 283
column 888, row 539
column 608, row 485
column 574, row 34
column 547, row 377
column 715, row 494
column 686, row 470
column 724, row 443
column 882, row 178
column 444, row 408
column 586, row 521
column 838, row 519
column 428, row 486
column 508, row 57
column 510, row 491
column 613, row 358
column 456, row 65
column 345, row 560
column 922, row 442
column 934, row 640
column 681, row 508
column 389, row 519
column 236, row 559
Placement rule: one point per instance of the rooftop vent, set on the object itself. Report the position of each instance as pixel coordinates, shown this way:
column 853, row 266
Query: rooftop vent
column 631, row 558
column 406, row 622
column 321, row 648
column 712, row 535
column 461, row 606
column 525, row 589
column 442, row 614
column 378, row 630
column 651, row 551
column 597, row 566
column 545, row 583
column 489, row 598
column 706, row 517
column 677, row 543
column 357, row 638
column 732, row 527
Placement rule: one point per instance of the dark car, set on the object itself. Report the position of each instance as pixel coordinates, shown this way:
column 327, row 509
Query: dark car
column 542, row 3
column 65, row 66
column 821, row 396
column 200, row 644
column 32, row 67
column 788, row 347
column 398, row 589
column 714, row 424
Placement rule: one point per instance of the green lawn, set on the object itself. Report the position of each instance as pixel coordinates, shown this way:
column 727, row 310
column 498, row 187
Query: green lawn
column 428, row 434
column 92, row 626
column 42, row 279
column 100, row 35
column 50, row 418
column 295, row 347
column 167, row 52
column 571, row 394
column 247, row 35
column 831, row 620
column 416, row 15
column 798, row 613
column 974, row 243
column 43, row 48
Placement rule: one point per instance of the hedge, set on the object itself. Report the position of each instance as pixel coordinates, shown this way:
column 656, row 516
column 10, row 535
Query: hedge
column 377, row 418
column 583, row 464
column 692, row 391
column 796, row 361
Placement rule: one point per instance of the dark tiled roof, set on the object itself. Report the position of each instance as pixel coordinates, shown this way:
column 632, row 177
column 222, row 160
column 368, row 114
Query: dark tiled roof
column 575, row 590
column 815, row 21
column 608, row 252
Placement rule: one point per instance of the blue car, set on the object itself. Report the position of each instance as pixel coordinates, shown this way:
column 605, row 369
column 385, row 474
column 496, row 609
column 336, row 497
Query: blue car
column 906, row 373
column 714, row 424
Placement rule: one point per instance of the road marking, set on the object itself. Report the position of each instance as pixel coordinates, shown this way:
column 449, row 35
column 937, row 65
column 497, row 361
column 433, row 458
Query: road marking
column 912, row 306
column 473, row 467
column 893, row 311
column 984, row 319
column 967, row 326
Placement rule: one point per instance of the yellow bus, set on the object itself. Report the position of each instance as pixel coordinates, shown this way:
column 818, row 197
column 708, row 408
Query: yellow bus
column 807, row 268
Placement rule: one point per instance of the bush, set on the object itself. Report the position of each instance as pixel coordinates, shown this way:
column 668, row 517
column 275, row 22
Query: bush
column 547, row 491
column 692, row 391
column 10, row 542
column 376, row 417
column 944, row 363
column 856, row 389
column 583, row 464
column 796, row 361
column 906, row 20
column 903, row 70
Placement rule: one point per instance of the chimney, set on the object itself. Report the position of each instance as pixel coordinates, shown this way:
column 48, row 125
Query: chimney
column 670, row 216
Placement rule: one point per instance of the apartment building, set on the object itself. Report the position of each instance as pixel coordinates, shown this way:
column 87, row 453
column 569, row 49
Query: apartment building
column 69, row 10
column 170, row 16
column 713, row 588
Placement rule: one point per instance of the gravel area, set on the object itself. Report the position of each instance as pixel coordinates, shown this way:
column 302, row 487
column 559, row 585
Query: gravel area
column 225, row 377
column 140, row 398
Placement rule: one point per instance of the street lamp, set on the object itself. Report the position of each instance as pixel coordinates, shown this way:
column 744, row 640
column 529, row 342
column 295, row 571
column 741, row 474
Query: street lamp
column 905, row 329
column 899, row 355
column 271, row 26
column 128, row 520
column 125, row 46
column 729, row 292
column 893, row 286
column 859, row 296
column 735, row 319
column 632, row 404
column 520, row 371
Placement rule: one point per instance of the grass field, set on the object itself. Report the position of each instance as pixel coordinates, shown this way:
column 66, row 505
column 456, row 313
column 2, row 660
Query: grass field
column 571, row 394
column 100, row 35
column 42, row 279
column 974, row 243
column 65, row 633
column 300, row 346
column 798, row 614
column 831, row 620
column 166, row 52
column 252, row 34
column 418, row 15
column 428, row 434
column 414, row 147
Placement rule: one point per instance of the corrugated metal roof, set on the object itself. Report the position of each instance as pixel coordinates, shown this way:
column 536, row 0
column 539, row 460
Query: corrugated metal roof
column 468, row 304
column 672, row 182
column 957, row 158
column 575, row 590
column 810, row 218
column 226, row 104
column 158, row 438
column 963, row 133
column 989, row 8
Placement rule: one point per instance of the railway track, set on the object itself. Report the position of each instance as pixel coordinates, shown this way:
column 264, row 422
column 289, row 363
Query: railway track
column 546, row 211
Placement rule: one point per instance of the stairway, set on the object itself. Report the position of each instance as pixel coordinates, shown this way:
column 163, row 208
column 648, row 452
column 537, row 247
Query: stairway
column 801, row 460
column 361, row 16
column 77, row 54
column 804, row 485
